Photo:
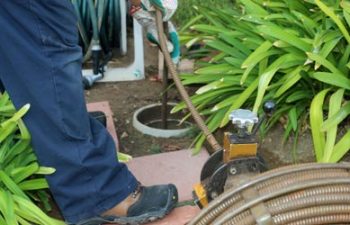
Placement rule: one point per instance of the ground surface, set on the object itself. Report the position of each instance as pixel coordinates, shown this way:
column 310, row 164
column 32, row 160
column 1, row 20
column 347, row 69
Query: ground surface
column 128, row 96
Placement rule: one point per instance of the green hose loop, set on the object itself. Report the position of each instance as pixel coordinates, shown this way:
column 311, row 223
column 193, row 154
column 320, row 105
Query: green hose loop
column 98, row 24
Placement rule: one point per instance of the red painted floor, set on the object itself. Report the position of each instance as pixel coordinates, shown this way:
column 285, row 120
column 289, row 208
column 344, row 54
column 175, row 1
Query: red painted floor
column 178, row 167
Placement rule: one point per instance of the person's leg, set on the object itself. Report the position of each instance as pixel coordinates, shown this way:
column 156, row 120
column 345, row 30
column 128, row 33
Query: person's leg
column 2, row 88
column 40, row 64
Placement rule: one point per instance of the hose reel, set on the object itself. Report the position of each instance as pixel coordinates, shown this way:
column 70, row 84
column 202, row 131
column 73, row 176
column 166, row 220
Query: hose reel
column 99, row 24
column 102, row 26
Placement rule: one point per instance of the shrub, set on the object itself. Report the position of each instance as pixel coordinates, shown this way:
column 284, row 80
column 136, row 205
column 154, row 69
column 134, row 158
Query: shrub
column 22, row 185
column 293, row 51
column 186, row 10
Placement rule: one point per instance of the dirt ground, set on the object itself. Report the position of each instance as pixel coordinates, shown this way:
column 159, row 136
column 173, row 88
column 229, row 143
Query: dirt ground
column 128, row 96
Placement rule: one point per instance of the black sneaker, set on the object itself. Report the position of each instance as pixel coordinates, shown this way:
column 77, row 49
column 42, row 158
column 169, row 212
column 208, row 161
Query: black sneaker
column 154, row 203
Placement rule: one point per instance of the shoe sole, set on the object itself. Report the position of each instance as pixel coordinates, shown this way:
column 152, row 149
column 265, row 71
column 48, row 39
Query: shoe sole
column 144, row 218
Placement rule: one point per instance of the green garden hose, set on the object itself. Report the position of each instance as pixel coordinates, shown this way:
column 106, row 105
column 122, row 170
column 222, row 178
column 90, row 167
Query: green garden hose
column 99, row 25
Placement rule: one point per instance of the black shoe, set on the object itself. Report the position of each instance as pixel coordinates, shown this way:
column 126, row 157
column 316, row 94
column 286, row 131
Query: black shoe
column 154, row 203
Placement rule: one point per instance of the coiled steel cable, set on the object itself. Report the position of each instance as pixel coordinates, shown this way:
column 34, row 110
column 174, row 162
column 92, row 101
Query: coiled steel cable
column 332, row 219
column 290, row 194
column 229, row 198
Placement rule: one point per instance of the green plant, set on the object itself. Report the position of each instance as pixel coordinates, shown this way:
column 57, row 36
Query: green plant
column 293, row 51
column 186, row 8
column 22, row 183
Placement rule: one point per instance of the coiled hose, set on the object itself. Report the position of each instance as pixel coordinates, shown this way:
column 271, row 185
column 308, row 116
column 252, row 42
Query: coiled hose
column 99, row 24
column 300, row 194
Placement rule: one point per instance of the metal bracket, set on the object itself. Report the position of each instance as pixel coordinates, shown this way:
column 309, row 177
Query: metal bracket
column 259, row 211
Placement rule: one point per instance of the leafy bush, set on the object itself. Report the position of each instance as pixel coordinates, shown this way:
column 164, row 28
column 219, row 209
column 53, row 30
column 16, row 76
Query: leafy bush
column 186, row 8
column 293, row 51
column 21, row 178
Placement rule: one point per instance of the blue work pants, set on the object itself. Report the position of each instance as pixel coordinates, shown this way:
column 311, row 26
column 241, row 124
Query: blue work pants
column 40, row 64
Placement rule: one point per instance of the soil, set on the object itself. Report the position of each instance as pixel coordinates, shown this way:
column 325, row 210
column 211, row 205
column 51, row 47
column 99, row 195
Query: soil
column 128, row 96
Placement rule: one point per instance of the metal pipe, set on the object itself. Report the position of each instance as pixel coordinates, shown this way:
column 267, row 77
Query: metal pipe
column 164, row 111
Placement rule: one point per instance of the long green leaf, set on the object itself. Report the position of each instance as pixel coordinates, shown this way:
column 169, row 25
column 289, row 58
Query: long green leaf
column 4, row 99
column 334, row 79
column 208, row 29
column 35, row 212
column 293, row 118
column 253, row 8
column 7, row 208
column 19, row 114
column 9, row 128
column 45, row 170
column 334, row 106
column 341, row 148
column 190, row 23
column 316, row 119
column 197, row 99
column 261, row 58
column 200, row 78
column 293, row 78
column 226, row 102
column 344, row 60
column 329, row 12
column 221, row 46
column 229, row 38
column 324, row 62
column 21, row 173
column 34, row 184
column 218, row 69
column 299, row 95
column 251, row 58
column 266, row 77
column 337, row 118
column 280, row 34
column 11, row 185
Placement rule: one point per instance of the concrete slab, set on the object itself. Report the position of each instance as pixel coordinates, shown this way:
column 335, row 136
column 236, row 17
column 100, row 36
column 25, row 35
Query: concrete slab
column 178, row 167
column 178, row 216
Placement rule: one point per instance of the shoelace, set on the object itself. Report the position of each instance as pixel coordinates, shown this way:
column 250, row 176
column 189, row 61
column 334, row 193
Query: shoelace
column 137, row 190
